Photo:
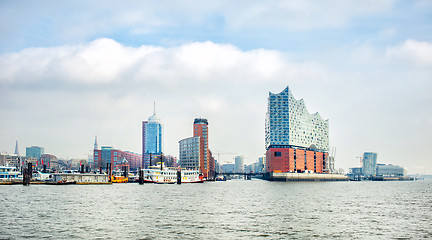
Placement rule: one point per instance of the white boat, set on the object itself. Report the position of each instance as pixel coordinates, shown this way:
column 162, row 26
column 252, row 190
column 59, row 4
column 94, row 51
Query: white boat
column 168, row 175
column 9, row 173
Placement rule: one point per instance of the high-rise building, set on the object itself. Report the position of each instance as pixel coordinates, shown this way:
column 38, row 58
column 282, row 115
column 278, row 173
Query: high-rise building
column 295, row 140
column 206, row 160
column 369, row 164
column 152, row 134
column 189, row 149
column 239, row 164
column 34, row 151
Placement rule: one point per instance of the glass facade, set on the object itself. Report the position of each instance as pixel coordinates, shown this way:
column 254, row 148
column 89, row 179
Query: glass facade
column 369, row 164
column 106, row 156
column 289, row 124
column 34, row 151
column 190, row 153
column 153, row 134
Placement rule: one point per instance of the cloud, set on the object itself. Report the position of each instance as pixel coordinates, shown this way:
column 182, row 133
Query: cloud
column 418, row 52
column 104, row 61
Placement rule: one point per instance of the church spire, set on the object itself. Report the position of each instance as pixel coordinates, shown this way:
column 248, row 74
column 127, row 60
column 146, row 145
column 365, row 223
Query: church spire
column 95, row 144
column 16, row 148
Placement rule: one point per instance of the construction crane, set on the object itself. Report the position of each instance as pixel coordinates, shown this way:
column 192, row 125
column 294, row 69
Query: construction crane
column 223, row 153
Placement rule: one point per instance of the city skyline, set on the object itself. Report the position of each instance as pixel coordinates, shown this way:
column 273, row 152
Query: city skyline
column 365, row 66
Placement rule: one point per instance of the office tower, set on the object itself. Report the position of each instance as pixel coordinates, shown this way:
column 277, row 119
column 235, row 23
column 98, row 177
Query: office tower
column 369, row 164
column 206, row 160
column 34, row 151
column 152, row 134
column 295, row 140
column 189, row 149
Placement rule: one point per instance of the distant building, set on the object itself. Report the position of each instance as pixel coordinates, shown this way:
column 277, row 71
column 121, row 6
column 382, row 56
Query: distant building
column 258, row 167
column 388, row 170
column 189, row 149
column 369, row 164
column 295, row 140
column 34, row 151
column 116, row 157
column 49, row 160
column 239, row 164
column 170, row 161
column 152, row 134
column 14, row 160
column 227, row 168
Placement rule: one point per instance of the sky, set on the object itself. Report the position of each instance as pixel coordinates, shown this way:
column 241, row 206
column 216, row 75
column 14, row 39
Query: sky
column 71, row 70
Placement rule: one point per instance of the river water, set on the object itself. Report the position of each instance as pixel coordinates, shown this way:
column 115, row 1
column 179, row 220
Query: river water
column 236, row 209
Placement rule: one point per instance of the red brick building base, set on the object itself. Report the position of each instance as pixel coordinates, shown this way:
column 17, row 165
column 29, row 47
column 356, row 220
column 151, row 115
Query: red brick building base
column 295, row 160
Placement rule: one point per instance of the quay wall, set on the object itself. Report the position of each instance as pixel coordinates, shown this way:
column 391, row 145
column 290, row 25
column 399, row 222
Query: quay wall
column 296, row 177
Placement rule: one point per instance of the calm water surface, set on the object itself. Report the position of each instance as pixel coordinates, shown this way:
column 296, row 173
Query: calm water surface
column 235, row 209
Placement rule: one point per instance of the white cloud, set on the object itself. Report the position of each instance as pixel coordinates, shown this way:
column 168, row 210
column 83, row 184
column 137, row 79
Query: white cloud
column 106, row 61
column 412, row 51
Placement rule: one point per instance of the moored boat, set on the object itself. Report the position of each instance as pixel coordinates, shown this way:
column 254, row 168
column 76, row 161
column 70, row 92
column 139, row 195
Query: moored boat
column 9, row 173
column 168, row 175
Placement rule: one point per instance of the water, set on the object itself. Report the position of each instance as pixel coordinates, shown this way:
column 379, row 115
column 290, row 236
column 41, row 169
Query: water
column 236, row 209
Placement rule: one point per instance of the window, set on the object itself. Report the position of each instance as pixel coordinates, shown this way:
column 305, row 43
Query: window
column 277, row 154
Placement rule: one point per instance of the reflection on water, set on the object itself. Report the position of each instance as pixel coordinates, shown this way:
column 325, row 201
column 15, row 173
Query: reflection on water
column 219, row 210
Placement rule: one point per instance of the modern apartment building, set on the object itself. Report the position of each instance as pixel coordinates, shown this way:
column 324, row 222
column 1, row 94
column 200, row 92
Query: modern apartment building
column 190, row 153
column 295, row 140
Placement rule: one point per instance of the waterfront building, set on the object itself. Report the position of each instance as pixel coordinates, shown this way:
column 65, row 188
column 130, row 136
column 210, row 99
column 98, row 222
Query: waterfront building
column 17, row 161
column 389, row 170
column 116, row 158
column 152, row 138
column 369, row 164
column 239, row 164
column 206, row 159
column 34, row 151
column 189, row 150
column 295, row 140
column 49, row 160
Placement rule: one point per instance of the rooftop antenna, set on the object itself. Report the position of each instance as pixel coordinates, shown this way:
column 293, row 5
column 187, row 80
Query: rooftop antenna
column 154, row 107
